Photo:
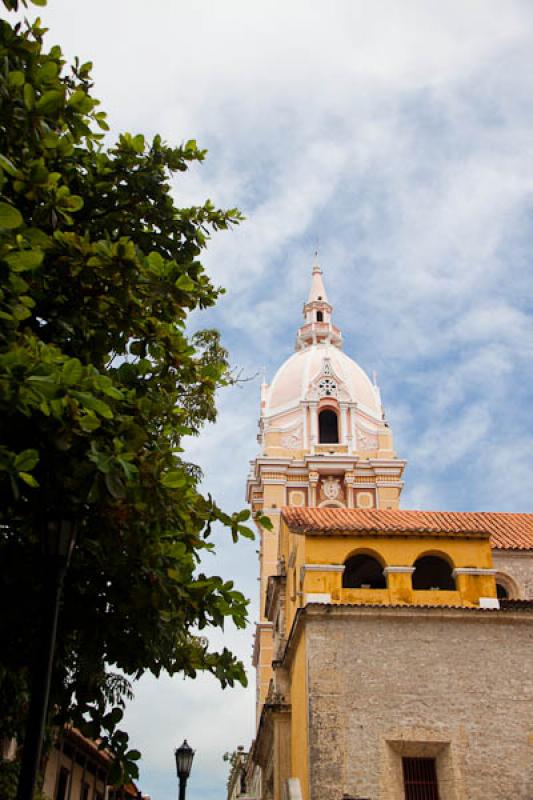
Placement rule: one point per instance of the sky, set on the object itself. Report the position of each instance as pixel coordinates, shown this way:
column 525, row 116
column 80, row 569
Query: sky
column 397, row 137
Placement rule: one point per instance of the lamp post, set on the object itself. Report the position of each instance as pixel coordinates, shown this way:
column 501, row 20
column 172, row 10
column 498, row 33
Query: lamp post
column 184, row 756
column 58, row 542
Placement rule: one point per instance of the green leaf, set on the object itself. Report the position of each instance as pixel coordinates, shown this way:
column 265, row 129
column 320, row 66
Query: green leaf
column 138, row 143
column 173, row 480
column 15, row 79
column 72, row 371
column 29, row 479
column 10, row 217
column 93, row 404
column 184, row 283
column 8, row 166
column 89, row 422
column 29, row 96
column 50, row 101
column 47, row 72
column 22, row 260
column 26, row 460
column 264, row 521
column 39, row 2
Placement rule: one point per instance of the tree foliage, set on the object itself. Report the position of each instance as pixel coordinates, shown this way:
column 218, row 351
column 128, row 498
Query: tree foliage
column 99, row 384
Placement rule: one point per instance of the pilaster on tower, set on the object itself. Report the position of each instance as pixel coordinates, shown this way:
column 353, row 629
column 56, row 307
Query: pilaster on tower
column 324, row 442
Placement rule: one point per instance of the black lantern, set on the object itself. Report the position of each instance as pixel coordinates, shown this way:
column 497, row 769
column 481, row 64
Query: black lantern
column 184, row 756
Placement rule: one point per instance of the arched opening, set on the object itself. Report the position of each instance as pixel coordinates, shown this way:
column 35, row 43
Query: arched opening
column 432, row 572
column 328, row 427
column 319, row 316
column 363, row 572
column 501, row 592
column 506, row 587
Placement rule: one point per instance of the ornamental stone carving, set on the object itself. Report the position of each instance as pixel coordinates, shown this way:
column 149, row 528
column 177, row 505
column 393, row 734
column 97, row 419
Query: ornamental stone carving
column 292, row 439
column 331, row 488
column 367, row 440
column 327, row 388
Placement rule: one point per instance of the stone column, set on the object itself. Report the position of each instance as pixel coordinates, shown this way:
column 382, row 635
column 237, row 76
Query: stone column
column 313, row 409
column 345, row 437
column 305, row 415
column 353, row 426
column 349, row 481
column 313, row 483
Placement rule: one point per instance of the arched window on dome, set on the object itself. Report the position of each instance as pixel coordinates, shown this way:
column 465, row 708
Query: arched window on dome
column 319, row 316
column 328, row 427
column 363, row 572
column 432, row 572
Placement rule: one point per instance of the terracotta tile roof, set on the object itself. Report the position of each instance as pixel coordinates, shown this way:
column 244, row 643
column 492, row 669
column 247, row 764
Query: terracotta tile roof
column 506, row 531
column 505, row 605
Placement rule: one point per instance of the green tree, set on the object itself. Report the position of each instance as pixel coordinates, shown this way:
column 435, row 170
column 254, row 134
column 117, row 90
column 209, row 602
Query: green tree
column 99, row 384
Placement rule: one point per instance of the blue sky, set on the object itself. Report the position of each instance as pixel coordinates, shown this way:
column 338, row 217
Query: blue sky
column 399, row 136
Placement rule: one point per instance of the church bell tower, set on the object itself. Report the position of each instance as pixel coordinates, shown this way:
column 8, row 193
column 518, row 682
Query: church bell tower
column 325, row 442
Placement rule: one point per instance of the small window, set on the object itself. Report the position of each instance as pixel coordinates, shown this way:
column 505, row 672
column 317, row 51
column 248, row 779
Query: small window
column 62, row 784
column 432, row 572
column 328, row 428
column 363, row 572
column 319, row 316
column 420, row 779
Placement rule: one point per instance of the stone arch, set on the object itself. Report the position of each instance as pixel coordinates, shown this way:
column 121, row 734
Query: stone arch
column 433, row 570
column 332, row 504
column 363, row 569
column 511, row 587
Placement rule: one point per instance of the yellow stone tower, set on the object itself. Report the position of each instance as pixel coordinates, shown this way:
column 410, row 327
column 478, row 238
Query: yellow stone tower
column 324, row 441
column 393, row 648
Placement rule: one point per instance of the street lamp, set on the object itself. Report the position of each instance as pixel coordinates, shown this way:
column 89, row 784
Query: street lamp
column 184, row 756
column 58, row 538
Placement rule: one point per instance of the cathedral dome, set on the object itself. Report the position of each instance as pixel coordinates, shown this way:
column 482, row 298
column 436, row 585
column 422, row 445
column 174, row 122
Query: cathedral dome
column 294, row 381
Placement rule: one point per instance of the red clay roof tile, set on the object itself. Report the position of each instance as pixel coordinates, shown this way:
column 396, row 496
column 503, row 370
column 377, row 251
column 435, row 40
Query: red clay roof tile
column 506, row 531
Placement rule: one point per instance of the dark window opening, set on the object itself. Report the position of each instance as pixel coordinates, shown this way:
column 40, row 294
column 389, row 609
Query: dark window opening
column 363, row 572
column 328, row 427
column 420, row 779
column 319, row 316
column 501, row 592
column 432, row 572
column 62, row 784
column 84, row 793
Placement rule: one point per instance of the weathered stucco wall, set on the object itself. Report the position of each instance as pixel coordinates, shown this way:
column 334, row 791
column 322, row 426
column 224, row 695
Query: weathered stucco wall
column 450, row 684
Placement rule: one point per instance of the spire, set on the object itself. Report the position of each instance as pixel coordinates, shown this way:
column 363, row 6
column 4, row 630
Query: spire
column 317, row 327
column 317, row 292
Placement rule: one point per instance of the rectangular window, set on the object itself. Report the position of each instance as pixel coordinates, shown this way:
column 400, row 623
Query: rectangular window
column 420, row 779
column 84, row 793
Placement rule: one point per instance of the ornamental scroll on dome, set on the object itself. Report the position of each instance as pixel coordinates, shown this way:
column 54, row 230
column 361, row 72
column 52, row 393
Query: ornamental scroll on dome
column 292, row 439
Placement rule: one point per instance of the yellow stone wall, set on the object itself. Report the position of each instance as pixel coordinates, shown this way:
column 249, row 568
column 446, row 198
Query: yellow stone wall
column 300, row 551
